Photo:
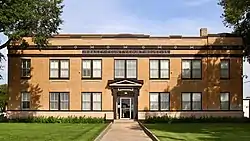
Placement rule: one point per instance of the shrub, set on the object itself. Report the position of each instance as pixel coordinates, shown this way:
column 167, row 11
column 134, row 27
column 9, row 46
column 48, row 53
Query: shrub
column 51, row 119
column 193, row 119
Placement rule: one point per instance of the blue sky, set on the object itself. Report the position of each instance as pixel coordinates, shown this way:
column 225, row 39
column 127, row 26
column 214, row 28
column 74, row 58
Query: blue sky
column 156, row 17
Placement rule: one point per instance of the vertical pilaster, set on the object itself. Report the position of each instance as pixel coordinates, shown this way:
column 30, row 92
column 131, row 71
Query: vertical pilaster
column 136, row 94
column 114, row 93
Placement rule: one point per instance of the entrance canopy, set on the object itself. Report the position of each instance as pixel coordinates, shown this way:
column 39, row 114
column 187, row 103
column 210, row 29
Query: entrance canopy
column 128, row 83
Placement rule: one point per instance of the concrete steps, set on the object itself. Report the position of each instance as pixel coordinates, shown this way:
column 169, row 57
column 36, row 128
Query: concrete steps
column 124, row 121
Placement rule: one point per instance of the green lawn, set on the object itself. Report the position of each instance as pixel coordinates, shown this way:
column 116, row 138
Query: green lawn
column 49, row 132
column 201, row 131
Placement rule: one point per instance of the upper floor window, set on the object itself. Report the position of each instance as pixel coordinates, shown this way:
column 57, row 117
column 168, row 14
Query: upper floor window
column 92, row 69
column 25, row 101
column 224, row 101
column 59, row 69
column 125, row 68
column 59, row 101
column 224, row 69
column 159, row 101
column 191, row 101
column 159, row 69
column 25, row 68
column 191, row 69
column 91, row 101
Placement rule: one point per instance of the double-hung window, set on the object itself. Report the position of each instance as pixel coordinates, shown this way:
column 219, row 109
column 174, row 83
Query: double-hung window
column 224, row 101
column 59, row 101
column 159, row 101
column 224, row 69
column 191, row 69
column 25, row 68
column 191, row 101
column 91, row 69
column 91, row 101
column 59, row 69
column 25, row 101
column 159, row 69
column 125, row 69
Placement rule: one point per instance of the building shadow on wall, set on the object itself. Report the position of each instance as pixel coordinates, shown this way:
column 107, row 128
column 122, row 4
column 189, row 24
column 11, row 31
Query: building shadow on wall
column 18, row 84
column 211, row 85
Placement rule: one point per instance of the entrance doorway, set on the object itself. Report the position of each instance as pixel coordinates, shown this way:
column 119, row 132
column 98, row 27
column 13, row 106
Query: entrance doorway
column 125, row 107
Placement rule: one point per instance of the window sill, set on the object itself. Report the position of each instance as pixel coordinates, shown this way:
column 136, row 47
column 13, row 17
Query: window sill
column 191, row 78
column 224, row 78
column 59, row 80
column 25, row 77
column 157, row 80
column 91, row 80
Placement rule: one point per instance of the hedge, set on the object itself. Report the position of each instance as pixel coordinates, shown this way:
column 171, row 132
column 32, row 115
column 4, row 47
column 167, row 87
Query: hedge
column 193, row 119
column 51, row 119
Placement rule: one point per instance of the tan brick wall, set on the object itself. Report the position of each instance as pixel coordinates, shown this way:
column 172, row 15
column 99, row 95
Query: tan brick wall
column 39, row 85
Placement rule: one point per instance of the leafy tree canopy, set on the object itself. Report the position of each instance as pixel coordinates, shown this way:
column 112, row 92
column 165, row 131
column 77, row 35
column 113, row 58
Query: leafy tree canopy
column 39, row 19
column 236, row 14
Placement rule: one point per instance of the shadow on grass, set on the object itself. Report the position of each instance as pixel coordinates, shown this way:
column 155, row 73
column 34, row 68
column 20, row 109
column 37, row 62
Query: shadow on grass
column 201, row 132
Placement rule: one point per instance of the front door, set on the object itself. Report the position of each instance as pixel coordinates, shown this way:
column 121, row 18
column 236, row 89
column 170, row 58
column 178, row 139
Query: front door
column 125, row 108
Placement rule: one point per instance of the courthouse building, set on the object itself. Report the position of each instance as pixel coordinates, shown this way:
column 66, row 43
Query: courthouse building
column 127, row 76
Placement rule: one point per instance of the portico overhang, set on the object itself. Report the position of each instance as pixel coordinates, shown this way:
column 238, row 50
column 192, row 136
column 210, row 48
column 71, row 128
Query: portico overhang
column 129, row 83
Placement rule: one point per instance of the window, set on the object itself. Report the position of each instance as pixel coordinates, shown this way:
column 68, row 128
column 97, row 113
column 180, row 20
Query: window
column 159, row 69
column 59, row 69
column 92, row 69
column 25, row 68
column 125, row 68
column 224, row 101
column 159, row 101
column 191, row 69
column 91, row 101
column 191, row 101
column 59, row 101
column 224, row 69
column 25, row 101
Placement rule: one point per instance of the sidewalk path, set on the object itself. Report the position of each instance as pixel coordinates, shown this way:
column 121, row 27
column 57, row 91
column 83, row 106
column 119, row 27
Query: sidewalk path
column 125, row 131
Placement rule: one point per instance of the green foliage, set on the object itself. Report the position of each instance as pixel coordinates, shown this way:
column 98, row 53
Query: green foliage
column 51, row 119
column 3, row 96
column 39, row 19
column 236, row 14
column 193, row 119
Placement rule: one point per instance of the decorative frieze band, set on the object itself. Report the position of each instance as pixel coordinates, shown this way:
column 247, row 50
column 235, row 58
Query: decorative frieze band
column 124, row 51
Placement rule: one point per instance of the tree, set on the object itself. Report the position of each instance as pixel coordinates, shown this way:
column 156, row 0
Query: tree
column 3, row 96
column 236, row 14
column 39, row 19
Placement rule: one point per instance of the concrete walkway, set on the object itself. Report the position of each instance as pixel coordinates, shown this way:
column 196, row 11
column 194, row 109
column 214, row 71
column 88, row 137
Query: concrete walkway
column 125, row 131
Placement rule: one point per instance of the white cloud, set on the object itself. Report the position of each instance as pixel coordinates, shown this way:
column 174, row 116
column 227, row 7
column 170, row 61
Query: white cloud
column 196, row 2
column 96, row 16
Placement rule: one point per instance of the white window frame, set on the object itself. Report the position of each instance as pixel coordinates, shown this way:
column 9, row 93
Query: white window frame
column 159, row 101
column 191, row 100
column 122, row 71
column 222, row 70
column 191, row 68
column 25, row 67
column 227, row 100
column 59, row 68
column 59, row 100
column 159, row 68
column 92, row 101
column 25, row 97
column 95, row 66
